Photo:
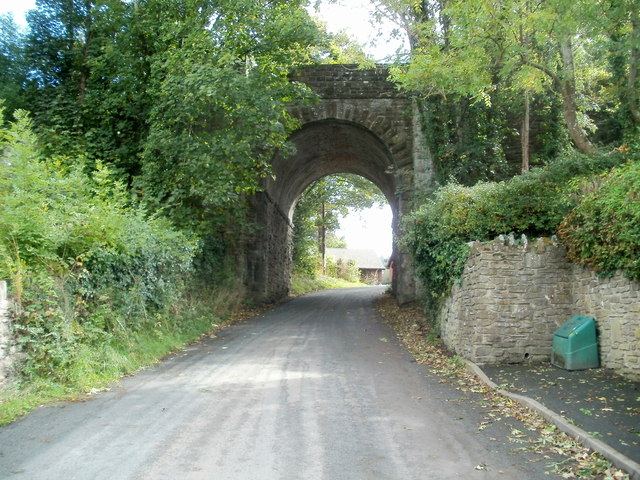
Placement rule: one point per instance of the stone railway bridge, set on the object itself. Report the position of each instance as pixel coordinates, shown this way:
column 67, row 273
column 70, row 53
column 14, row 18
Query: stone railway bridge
column 360, row 125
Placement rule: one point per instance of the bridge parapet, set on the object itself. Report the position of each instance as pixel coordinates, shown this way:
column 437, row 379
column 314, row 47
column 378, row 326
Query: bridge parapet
column 347, row 81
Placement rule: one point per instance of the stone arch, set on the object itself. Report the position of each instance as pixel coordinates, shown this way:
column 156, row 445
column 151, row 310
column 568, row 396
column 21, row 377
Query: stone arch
column 360, row 124
column 327, row 147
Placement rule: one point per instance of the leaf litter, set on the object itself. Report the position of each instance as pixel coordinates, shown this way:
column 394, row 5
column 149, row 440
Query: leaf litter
column 579, row 462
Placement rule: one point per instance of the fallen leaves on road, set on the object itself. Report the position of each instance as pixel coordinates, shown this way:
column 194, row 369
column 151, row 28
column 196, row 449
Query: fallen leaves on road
column 412, row 329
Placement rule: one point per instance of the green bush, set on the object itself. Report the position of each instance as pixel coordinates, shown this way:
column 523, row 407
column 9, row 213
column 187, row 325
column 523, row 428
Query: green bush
column 603, row 231
column 438, row 247
column 534, row 204
column 339, row 268
column 82, row 261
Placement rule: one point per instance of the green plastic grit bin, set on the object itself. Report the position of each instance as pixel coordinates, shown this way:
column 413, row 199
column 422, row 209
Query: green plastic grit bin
column 575, row 345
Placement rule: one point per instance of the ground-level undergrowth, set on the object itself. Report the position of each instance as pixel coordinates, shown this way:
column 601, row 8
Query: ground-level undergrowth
column 96, row 365
column 414, row 332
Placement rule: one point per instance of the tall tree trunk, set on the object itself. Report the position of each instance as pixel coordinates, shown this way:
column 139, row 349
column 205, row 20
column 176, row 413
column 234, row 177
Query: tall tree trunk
column 524, row 134
column 84, row 66
column 634, row 60
column 568, row 89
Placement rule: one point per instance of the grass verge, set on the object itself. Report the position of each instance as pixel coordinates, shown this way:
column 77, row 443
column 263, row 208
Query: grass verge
column 98, row 364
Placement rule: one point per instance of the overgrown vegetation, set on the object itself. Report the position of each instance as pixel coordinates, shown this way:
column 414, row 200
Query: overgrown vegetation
column 603, row 231
column 511, row 84
column 534, row 204
column 343, row 269
column 101, row 287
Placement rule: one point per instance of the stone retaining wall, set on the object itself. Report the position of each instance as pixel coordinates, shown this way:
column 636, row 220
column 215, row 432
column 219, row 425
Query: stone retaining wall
column 515, row 293
column 615, row 304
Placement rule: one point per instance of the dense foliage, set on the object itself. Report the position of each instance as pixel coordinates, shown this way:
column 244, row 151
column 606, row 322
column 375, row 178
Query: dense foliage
column 533, row 204
column 184, row 100
column 509, row 84
column 82, row 263
column 346, row 270
column 472, row 141
column 603, row 231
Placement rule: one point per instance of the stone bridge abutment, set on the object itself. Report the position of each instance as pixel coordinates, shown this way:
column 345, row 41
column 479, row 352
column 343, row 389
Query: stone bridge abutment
column 361, row 125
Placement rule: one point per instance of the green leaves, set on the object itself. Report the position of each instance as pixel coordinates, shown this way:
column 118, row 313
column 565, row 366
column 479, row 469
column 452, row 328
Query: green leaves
column 582, row 52
column 603, row 231
column 534, row 204
column 53, row 222
column 82, row 260
column 218, row 111
column 184, row 99
column 319, row 210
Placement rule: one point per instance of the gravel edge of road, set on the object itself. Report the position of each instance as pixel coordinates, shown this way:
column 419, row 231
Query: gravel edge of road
column 618, row 459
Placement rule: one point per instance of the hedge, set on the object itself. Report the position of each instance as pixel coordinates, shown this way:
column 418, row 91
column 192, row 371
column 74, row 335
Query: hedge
column 534, row 204
column 603, row 231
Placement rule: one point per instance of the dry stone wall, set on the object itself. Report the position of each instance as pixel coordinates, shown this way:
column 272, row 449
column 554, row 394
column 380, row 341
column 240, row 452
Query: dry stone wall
column 511, row 299
column 515, row 293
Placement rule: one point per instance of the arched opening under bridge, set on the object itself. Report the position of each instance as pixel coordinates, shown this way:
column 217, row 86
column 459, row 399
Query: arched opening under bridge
column 360, row 125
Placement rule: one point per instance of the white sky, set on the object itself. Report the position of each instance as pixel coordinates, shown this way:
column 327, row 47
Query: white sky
column 354, row 17
column 370, row 229
column 18, row 8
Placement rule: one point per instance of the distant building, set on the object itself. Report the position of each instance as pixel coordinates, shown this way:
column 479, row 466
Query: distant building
column 369, row 264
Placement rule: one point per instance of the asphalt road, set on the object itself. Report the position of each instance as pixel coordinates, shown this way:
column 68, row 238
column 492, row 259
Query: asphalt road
column 317, row 388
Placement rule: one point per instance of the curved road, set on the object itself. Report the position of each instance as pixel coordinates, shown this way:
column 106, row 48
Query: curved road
column 318, row 388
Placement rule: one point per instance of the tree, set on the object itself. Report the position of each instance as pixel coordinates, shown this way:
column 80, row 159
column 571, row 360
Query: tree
column 634, row 65
column 85, row 89
column 317, row 214
column 621, row 26
column 449, row 67
column 343, row 49
column 474, row 48
column 218, row 112
column 184, row 98
column 13, row 72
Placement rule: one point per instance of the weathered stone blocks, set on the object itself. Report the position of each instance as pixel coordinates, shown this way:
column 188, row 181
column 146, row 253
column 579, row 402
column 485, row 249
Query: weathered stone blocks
column 514, row 295
column 361, row 124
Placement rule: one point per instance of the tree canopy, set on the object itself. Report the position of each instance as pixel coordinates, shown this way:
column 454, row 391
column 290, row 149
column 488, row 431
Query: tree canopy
column 184, row 99
column 318, row 213
column 525, row 61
